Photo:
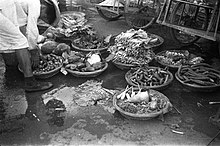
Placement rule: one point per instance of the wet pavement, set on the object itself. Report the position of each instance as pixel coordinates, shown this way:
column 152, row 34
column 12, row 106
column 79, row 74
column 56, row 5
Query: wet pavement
column 24, row 117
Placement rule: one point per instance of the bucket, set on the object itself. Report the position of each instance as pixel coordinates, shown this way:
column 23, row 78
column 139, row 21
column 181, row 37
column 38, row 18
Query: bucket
column 10, row 59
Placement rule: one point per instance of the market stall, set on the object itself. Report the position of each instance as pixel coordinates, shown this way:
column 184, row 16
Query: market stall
column 132, row 51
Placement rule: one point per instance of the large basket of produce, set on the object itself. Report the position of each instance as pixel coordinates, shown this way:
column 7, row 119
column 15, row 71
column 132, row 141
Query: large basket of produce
column 84, row 65
column 131, row 48
column 175, row 58
column 88, row 73
column 141, row 105
column 123, row 66
column 149, row 77
column 90, row 42
column 199, row 77
column 70, row 24
column 49, row 66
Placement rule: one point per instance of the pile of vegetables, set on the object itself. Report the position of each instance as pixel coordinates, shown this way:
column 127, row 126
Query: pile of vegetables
column 48, row 45
column 90, row 40
column 148, row 76
column 130, row 47
column 201, row 75
column 176, row 58
column 140, row 102
column 77, row 61
column 48, row 63
column 71, row 24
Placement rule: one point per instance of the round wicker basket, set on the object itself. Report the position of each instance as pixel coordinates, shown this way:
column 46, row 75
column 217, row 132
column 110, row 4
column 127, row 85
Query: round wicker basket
column 197, row 87
column 87, row 74
column 45, row 75
column 123, row 66
column 159, row 87
column 166, row 64
column 159, row 43
column 171, row 66
column 146, row 116
column 88, row 50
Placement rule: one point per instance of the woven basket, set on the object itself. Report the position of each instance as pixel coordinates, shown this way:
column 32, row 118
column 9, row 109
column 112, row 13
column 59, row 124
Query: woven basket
column 155, row 46
column 87, row 74
column 173, row 67
column 46, row 74
column 146, row 116
column 88, row 50
column 196, row 87
column 123, row 66
column 160, row 87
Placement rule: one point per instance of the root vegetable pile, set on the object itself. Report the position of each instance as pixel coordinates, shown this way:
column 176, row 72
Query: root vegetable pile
column 148, row 76
column 48, row 63
column 200, row 74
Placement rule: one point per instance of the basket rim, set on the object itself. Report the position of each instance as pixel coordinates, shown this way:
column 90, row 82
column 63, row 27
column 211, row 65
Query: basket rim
column 88, row 50
column 195, row 86
column 170, row 79
column 148, row 115
column 87, row 73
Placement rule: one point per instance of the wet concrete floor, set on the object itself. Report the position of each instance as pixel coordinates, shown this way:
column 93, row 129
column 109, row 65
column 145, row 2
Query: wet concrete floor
column 24, row 119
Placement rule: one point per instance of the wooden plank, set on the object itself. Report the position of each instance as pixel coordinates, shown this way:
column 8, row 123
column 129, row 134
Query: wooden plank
column 190, row 3
column 191, row 31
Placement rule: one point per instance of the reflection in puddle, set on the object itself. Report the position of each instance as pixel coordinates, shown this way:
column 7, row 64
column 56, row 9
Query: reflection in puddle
column 55, row 110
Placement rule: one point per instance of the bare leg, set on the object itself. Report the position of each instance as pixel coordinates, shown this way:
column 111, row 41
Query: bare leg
column 24, row 61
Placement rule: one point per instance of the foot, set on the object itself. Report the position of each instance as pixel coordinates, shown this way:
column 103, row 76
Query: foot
column 37, row 86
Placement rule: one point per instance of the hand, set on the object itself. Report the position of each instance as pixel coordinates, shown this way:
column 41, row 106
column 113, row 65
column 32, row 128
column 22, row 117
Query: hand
column 35, row 57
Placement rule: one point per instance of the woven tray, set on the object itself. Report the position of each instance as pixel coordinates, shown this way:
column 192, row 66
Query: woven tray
column 45, row 75
column 87, row 74
column 123, row 66
column 160, row 87
column 174, row 67
column 147, row 116
column 159, row 43
column 196, row 87
column 88, row 50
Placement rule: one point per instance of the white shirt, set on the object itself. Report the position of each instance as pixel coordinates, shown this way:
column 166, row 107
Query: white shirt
column 27, row 13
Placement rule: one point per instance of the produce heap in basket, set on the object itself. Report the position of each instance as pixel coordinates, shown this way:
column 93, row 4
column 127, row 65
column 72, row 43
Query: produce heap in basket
column 149, row 77
column 77, row 61
column 71, row 24
column 89, row 40
column 132, row 47
column 48, row 63
column 199, row 75
column 143, row 102
column 175, row 58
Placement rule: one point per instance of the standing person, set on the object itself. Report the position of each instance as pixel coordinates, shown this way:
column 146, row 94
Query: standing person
column 19, row 34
